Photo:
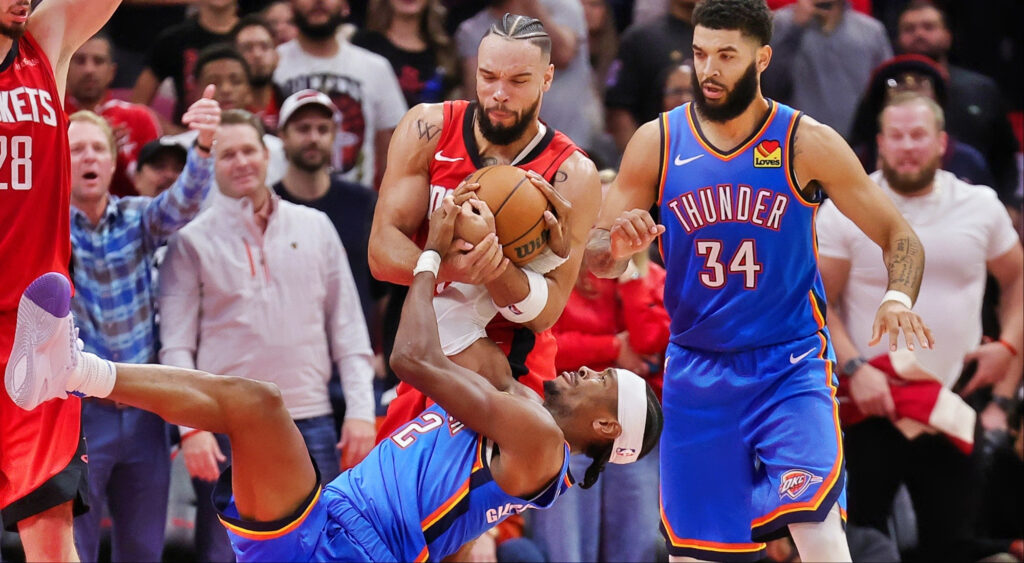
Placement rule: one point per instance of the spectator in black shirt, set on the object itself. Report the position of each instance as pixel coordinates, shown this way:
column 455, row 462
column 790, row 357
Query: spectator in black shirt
column 976, row 111
column 633, row 96
column 175, row 51
column 411, row 36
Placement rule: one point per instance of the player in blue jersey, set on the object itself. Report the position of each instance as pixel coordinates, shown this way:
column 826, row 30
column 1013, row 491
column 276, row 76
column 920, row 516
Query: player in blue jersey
column 480, row 454
column 752, row 442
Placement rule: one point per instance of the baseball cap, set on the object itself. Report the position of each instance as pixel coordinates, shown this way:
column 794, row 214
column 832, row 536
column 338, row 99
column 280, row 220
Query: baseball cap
column 304, row 98
column 151, row 150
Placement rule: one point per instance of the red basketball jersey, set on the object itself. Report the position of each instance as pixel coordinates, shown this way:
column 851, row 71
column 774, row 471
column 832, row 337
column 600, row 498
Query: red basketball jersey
column 35, row 179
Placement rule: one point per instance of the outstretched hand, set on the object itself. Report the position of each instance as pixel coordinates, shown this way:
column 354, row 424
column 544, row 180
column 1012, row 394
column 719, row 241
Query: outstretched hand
column 632, row 232
column 892, row 317
column 204, row 116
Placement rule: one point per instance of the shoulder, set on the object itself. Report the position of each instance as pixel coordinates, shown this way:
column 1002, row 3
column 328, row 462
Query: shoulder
column 352, row 191
column 368, row 39
column 289, row 49
column 961, row 76
column 964, row 194
column 432, row 114
column 366, row 56
column 814, row 137
column 579, row 164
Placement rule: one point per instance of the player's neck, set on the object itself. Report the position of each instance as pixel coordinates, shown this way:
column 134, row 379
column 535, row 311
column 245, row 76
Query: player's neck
column 727, row 134
column 92, row 209
column 504, row 154
column 218, row 20
column 304, row 185
column 319, row 47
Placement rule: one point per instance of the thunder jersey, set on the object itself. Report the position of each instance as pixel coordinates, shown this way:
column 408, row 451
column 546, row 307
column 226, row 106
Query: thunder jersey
column 427, row 489
column 739, row 247
column 35, row 178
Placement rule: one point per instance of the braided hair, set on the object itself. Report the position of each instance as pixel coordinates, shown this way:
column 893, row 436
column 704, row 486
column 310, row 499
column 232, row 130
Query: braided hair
column 517, row 27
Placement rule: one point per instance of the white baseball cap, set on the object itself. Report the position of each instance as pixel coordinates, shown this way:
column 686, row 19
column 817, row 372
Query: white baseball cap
column 304, row 98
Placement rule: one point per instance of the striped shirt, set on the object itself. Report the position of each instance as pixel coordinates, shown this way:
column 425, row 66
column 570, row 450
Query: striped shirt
column 112, row 264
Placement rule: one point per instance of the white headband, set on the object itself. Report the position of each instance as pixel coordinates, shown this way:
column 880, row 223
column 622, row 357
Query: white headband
column 632, row 417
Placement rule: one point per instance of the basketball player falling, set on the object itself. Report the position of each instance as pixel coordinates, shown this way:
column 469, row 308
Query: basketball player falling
column 40, row 487
column 477, row 456
column 752, row 442
column 436, row 147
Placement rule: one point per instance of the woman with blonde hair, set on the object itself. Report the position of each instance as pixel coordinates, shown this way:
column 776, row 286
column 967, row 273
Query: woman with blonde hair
column 410, row 35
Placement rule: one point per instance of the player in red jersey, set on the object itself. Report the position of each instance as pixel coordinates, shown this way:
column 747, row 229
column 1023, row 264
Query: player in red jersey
column 436, row 146
column 39, row 484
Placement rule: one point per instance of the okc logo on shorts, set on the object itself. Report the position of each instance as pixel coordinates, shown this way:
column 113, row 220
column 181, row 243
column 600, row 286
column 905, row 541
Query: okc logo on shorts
column 795, row 482
column 768, row 154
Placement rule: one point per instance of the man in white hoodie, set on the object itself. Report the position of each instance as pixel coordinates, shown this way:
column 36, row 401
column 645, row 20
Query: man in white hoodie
column 261, row 288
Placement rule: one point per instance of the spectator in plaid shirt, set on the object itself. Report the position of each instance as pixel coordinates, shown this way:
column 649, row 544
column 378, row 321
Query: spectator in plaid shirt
column 113, row 242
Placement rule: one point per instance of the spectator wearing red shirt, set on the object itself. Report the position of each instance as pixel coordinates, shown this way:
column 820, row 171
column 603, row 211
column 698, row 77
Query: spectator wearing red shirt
column 90, row 74
column 610, row 323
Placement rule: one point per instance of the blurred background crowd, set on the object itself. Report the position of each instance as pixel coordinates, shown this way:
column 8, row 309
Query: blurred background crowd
column 619, row 63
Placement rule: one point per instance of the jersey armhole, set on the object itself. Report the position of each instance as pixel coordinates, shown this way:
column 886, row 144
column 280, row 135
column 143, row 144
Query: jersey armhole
column 791, row 165
column 662, row 158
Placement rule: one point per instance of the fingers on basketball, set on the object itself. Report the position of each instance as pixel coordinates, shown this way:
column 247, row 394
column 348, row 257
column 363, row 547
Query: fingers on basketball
column 518, row 206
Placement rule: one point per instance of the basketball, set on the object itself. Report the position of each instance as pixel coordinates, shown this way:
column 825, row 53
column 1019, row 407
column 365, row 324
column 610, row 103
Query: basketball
column 518, row 207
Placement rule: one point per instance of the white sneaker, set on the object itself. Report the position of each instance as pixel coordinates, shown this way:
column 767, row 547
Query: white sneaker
column 46, row 348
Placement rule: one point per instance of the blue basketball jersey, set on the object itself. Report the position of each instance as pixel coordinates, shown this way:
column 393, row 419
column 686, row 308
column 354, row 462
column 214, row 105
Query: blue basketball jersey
column 740, row 248
column 428, row 489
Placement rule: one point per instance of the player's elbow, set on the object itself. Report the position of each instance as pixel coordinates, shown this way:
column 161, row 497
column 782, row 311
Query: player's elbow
column 410, row 358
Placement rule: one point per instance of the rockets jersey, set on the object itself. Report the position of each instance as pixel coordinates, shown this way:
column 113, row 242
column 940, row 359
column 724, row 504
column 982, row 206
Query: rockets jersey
column 35, row 178
column 428, row 489
column 739, row 247
column 458, row 156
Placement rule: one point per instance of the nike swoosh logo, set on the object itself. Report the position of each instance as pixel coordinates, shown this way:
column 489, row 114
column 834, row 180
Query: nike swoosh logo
column 443, row 158
column 796, row 359
column 682, row 161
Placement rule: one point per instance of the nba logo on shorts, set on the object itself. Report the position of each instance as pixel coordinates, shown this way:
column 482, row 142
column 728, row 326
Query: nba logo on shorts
column 625, row 452
column 768, row 154
column 795, row 482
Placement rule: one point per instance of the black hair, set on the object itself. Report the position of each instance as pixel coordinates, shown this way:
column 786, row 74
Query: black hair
column 515, row 26
column 915, row 5
column 602, row 451
column 751, row 17
column 250, row 20
column 219, row 52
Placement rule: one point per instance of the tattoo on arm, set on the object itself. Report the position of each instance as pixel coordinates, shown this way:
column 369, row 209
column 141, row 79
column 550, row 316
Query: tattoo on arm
column 488, row 161
column 427, row 130
column 905, row 263
column 560, row 177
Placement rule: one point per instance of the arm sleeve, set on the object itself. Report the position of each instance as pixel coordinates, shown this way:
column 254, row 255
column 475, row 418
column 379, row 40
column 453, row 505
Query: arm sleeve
column 644, row 314
column 176, row 206
column 346, row 328
column 178, row 299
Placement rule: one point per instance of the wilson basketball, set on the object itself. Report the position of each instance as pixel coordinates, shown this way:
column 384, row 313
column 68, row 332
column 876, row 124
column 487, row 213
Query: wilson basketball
column 518, row 207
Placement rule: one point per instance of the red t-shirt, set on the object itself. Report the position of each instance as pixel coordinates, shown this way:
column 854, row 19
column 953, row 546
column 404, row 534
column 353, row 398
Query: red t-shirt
column 35, row 238
column 139, row 126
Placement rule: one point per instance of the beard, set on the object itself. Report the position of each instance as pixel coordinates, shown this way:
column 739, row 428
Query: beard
column 500, row 134
column 733, row 103
column 14, row 32
column 318, row 31
column 258, row 82
column 907, row 183
column 309, row 163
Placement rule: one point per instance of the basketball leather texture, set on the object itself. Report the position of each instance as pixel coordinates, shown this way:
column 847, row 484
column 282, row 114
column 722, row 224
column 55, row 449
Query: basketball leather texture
column 518, row 207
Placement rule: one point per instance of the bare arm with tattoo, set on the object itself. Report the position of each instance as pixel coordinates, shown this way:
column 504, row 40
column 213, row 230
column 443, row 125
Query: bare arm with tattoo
column 823, row 159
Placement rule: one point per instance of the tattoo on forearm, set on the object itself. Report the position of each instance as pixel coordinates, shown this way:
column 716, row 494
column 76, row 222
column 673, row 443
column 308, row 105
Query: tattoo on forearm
column 560, row 177
column 427, row 130
column 905, row 263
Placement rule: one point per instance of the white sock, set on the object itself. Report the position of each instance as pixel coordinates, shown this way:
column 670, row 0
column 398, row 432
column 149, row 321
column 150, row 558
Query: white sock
column 93, row 376
column 821, row 541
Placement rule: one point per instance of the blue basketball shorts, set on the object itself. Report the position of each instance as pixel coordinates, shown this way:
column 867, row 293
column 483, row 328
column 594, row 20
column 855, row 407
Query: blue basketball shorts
column 326, row 527
column 751, row 444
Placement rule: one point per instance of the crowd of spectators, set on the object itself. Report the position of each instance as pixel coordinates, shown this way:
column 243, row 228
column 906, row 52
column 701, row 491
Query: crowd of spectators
column 252, row 282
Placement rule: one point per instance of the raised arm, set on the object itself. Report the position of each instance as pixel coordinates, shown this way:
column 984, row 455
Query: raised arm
column 527, row 435
column 624, row 225
column 62, row 26
column 823, row 159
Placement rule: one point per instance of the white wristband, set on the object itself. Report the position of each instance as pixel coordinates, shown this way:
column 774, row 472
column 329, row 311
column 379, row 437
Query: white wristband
column 429, row 261
column 899, row 297
column 546, row 261
column 530, row 307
